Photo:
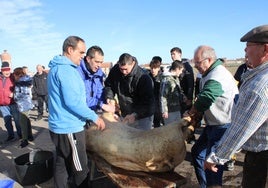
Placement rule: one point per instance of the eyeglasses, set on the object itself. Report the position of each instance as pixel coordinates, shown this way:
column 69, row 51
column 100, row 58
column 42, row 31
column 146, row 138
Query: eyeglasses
column 199, row 62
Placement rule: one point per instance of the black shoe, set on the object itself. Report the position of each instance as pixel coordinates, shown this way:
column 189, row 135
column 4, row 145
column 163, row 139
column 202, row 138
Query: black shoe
column 191, row 139
column 229, row 165
column 30, row 138
column 191, row 142
column 10, row 138
column 23, row 143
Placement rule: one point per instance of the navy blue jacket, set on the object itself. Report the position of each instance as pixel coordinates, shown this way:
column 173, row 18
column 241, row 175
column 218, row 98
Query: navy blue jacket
column 94, row 86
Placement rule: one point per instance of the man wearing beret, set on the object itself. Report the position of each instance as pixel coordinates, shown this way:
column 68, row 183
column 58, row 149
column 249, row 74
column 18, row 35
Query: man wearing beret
column 249, row 127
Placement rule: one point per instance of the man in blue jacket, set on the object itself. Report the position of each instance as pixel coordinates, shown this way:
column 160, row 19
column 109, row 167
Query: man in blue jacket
column 93, row 77
column 68, row 113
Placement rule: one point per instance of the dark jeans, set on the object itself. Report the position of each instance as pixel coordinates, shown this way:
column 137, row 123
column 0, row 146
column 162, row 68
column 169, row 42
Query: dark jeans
column 255, row 170
column 205, row 144
column 26, row 127
column 8, row 112
column 158, row 119
column 40, row 100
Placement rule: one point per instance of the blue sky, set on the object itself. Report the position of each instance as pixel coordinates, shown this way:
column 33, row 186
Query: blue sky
column 33, row 30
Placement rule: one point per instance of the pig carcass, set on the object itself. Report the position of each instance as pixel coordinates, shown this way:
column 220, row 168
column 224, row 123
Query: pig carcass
column 157, row 150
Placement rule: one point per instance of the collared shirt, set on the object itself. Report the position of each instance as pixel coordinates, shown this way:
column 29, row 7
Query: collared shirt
column 249, row 126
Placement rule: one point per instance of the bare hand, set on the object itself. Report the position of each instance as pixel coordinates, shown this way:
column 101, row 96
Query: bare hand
column 130, row 118
column 116, row 117
column 210, row 166
column 165, row 115
column 108, row 108
column 100, row 124
column 11, row 95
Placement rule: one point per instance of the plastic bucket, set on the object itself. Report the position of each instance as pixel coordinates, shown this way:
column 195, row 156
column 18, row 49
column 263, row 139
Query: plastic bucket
column 34, row 167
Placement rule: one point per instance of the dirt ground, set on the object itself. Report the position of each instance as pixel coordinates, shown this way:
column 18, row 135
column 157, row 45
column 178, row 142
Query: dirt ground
column 231, row 179
column 9, row 151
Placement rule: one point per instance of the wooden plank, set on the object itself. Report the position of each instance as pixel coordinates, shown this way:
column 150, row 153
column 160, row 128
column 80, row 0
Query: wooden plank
column 126, row 179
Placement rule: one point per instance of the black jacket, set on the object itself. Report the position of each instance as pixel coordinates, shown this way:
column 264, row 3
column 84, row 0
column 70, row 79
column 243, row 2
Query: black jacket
column 187, row 80
column 40, row 84
column 135, row 91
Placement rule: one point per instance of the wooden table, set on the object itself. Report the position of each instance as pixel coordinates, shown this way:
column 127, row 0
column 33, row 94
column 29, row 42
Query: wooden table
column 126, row 179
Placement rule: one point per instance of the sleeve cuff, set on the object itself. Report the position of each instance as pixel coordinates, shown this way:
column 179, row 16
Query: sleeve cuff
column 212, row 158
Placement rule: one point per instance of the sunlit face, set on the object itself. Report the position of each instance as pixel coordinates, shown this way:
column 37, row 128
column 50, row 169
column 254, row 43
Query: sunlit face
column 77, row 54
column 202, row 65
column 179, row 71
column 254, row 53
column 95, row 62
column 6, row 73
column 175, row 55
column 39, row 69
column 126, row 69
column 154, row 71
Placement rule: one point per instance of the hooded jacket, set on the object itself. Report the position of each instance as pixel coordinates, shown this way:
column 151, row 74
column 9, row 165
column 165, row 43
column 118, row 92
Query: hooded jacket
column 67, row 106
column 94, row 86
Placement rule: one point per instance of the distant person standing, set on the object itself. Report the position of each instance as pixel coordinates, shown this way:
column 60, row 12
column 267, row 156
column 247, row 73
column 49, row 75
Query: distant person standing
column 197, row 84
column 186, row 78
column 8, row 107
column 171, row 94
column 134, row 89
column 246, row 66
column 156, row 75
column 93, row 77
column 68, row 113
column 40, row 90
column 23, row 98
column 26, row 70
column 187, row 83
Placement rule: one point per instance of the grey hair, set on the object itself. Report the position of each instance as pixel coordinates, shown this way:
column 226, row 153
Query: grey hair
column 206, row 52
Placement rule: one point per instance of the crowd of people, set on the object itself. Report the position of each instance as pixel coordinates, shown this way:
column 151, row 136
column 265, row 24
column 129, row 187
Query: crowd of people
column 76, row 91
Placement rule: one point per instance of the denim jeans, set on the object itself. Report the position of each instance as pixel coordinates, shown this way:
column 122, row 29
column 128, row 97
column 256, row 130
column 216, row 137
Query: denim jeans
column 8, row 112
column 173, row 116
column 205, row 144
column 144, row 124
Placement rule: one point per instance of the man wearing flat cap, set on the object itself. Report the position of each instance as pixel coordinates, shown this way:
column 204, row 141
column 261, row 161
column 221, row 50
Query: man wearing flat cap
column 8, row 108
column 249, row 127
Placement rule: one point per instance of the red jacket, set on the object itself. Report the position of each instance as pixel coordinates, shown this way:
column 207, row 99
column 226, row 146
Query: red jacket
column 6, row 88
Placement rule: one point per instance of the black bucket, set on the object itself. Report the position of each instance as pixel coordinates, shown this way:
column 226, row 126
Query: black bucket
column 34, row 168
